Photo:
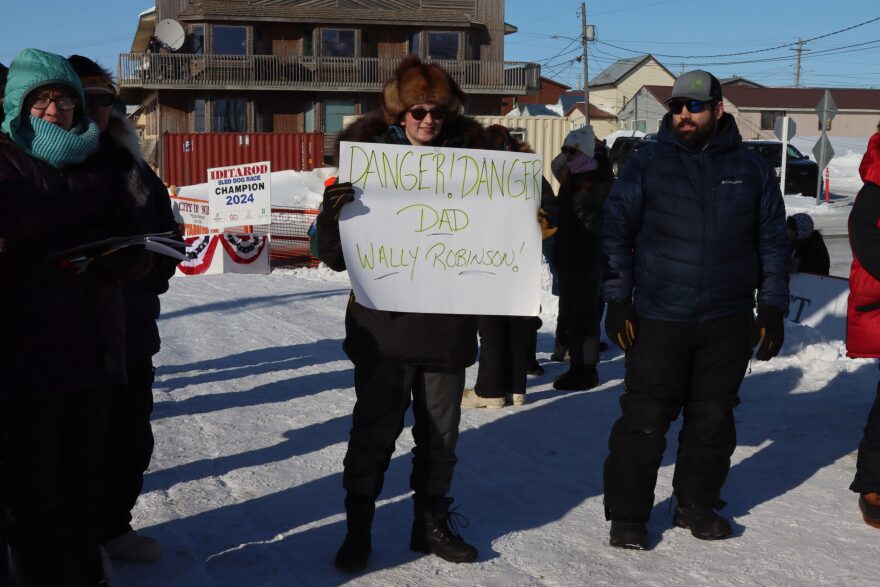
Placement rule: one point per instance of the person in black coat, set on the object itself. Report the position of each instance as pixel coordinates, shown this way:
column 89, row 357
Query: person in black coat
column 401, row 357
column 808, row 251
column 129, row 443
column 694, row 226
column 63, row 344
column 586, row 179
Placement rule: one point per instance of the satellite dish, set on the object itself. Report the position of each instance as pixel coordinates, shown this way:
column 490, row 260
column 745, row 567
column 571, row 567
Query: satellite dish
column 170, row 33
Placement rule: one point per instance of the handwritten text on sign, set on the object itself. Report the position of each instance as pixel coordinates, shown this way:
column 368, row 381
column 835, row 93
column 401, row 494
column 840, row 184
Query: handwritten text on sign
column 240, row 195
column 439, row 230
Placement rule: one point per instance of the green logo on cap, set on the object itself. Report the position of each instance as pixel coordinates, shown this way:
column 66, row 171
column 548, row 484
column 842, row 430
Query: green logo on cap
column 698, row 83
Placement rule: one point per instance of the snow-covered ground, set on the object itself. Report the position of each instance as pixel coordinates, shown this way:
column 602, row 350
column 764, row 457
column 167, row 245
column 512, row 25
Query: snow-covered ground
column 253, row 402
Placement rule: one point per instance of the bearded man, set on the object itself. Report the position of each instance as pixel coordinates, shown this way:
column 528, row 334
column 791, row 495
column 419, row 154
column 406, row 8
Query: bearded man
column 694, row 226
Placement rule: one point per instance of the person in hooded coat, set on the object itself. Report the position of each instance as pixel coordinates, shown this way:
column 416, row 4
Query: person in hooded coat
column 400, row 357
column 863, row 321
column 129, row 444
column 808, row 251
column 63, row 347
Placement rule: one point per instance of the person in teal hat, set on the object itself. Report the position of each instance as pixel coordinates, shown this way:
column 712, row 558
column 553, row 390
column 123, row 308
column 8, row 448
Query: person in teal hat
column 62, row 347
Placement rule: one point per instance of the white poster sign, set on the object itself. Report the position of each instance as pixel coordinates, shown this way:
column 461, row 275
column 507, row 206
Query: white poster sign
column 190, row 211
column 819, row 301
column 240, row 195
column 438, row 230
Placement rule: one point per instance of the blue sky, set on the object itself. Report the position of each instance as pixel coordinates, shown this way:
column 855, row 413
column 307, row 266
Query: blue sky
column 680, row 33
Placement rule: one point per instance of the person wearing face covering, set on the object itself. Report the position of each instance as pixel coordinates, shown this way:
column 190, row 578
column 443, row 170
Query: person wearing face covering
column 63, row 345
column 585, row 180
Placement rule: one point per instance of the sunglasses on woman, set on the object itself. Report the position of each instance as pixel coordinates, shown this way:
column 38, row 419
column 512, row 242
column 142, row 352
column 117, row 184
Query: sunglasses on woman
column 420, row 113
column 568, row 150
column 693, row 106
column 101, row 99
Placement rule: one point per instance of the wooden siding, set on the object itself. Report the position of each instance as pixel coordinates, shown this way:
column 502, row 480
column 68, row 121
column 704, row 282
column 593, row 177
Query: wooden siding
column 169, row 8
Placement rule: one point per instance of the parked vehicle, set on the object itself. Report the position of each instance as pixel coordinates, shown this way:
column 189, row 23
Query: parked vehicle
column 623, row 147
column 801, row 172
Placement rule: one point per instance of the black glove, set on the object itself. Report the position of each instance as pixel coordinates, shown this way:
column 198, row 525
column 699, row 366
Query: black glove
column 621, row 324
column 335, row 197
column 768, row 332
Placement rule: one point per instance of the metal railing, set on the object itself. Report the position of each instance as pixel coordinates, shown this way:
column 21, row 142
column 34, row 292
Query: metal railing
column 159, row 70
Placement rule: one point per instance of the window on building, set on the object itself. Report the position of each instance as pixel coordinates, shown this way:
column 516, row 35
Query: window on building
column 199, row 116
column 443, row 45
column 310, row 117
column 230, row 40
column 640, row 125
column 308, row 43
column 415, row 42
column 334, row 111
column 337, row 43
column 197, row 40
column 768, row 118
column 230, row 115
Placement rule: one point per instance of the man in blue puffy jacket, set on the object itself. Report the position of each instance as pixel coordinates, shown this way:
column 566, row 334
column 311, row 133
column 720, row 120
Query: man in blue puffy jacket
column 694, row 226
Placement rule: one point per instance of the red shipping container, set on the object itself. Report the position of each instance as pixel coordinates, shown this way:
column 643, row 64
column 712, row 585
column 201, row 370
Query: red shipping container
column 188, row 156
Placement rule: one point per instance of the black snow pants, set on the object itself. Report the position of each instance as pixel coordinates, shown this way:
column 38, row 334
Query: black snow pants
column 384, row 391
column 695, row 367
column 52, row 449
column 506, row 351
column 579, row 311
column 867, row 478
column 129, row 447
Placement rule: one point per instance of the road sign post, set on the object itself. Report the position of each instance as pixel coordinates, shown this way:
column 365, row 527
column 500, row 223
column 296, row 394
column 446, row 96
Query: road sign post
column 823, row 151
column 784, row 130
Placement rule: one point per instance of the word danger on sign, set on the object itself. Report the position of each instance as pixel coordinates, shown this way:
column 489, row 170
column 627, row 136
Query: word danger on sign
column 240, row 195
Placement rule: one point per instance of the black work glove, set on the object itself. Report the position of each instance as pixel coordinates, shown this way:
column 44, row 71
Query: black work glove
column 335, row 197
column 768, row 332
column 621, row 324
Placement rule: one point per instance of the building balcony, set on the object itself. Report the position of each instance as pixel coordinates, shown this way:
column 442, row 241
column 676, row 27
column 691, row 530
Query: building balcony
column 154, row 71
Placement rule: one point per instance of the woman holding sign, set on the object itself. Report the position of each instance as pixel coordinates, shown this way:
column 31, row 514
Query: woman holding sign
column 404, row 357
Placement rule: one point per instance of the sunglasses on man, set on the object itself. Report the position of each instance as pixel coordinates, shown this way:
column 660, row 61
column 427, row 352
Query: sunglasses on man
column 693, row 106
column 100, row 99
column 420, row 113
column 42, row 102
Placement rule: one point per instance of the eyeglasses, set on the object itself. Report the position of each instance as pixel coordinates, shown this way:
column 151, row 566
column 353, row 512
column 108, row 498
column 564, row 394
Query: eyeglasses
column 566, row 150
column 62, row 102
column 101, row 99
column 436, row 113
column 693, row 106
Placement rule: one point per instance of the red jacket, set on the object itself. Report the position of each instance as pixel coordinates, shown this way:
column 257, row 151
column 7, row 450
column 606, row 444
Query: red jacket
column 863, row 311
column 869, row 169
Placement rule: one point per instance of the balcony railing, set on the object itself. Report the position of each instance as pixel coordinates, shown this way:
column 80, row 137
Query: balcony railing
column 191, row 71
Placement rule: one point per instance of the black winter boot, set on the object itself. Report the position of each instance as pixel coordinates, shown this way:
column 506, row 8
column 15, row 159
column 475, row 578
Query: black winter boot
column 702, row 520
column 353, row 554
column 577, row 378
column 629, row 535
column 431, row 531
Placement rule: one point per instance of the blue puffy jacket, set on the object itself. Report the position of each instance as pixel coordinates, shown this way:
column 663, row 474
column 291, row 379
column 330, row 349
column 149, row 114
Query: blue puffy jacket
column 691, row 234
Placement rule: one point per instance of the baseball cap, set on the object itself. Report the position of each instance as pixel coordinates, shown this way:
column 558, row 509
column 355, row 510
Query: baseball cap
column 696, row 85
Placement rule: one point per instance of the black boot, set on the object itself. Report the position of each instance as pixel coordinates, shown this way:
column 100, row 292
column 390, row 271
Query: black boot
column 701, row 520
column 431, row 530
column 353, row 554
column 629, row 535
column 560, row 353
column 577, row 378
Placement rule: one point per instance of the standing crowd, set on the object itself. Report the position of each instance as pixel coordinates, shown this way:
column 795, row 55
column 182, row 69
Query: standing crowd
column 689, row 248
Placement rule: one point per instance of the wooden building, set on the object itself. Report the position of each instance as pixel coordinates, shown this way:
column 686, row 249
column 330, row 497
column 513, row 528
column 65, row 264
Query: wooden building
column 302, row 65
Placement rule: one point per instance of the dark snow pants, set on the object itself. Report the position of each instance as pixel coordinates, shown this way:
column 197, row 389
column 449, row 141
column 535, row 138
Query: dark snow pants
column 579, row 310
column 867, row 478
column 52, row 449
column 384, row 391
column 129, row 447
column 506, row 351
column 697, row 367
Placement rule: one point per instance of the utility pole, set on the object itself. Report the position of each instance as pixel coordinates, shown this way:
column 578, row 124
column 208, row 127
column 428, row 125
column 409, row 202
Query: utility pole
column 586, row 66
column 797, row 67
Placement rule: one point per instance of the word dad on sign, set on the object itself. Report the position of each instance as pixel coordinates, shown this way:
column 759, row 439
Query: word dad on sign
column 436, row 230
